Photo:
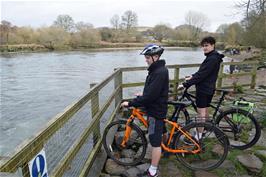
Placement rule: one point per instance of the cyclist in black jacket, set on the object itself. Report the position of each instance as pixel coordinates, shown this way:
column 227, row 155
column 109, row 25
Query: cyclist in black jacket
column 205, row 78
column 154, row 99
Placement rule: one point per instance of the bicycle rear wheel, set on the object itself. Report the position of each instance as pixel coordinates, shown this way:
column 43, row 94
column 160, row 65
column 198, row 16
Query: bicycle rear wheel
column 213, row 142
column 240, row 126
column 134, row 150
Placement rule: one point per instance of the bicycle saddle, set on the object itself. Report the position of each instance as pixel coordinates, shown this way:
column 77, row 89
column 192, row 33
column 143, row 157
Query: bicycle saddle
column 224, row 91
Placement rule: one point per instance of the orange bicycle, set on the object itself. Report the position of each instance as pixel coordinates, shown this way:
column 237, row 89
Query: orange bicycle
column 125, row 141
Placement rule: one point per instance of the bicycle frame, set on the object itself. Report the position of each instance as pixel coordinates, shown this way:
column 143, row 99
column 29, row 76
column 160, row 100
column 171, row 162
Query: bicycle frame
column 136, row 113
column 191, row 98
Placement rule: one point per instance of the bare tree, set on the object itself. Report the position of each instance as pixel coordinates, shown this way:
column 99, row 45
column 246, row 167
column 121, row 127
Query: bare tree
column 5, row 30
column 257, row 6
column 115, row 21
column 161, row 31
column 234, row 33
column 198, row 21
column 254, row 21
column 222, row 30
column 64, row 21
column 53, row 37
column 25, row 34
column 83, row 26
column 129, row 20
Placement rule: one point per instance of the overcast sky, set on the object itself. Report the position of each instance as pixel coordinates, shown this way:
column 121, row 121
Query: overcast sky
column 98, row 12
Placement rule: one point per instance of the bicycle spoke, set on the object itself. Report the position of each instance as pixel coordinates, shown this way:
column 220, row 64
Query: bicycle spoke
column 124, row 152
column 213, row 144
column 241, row 128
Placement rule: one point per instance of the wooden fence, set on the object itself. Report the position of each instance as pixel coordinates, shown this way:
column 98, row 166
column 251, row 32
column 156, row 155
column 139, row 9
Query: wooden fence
column 18, row 162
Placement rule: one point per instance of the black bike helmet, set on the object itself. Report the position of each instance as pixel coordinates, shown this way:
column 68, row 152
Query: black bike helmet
column 152, row 49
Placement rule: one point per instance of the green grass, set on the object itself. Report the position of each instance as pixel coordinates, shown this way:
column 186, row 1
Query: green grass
column 263, row 172
column 261, row 157
column 238, row 88
column 263, row 55
column 257, row 147
column 242, row 170
column 223, row 172
column 233, row 153
column 263, row 119
column 232, row 157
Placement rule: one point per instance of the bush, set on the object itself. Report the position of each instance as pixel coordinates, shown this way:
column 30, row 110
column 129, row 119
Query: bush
column 238, row 88
column 238, row 47
column 22, row 48
column 183, row 43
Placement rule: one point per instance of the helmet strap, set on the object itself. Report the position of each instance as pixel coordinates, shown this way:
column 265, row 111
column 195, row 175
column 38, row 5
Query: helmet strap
column 152, row 58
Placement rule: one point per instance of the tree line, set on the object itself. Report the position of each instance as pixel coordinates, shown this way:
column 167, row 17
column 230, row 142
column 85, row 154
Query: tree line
column 65, row 33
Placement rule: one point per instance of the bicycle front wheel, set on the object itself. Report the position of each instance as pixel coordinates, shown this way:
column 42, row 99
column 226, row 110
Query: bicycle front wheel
column 213, row 143
column 132, row 152
column 240, row 126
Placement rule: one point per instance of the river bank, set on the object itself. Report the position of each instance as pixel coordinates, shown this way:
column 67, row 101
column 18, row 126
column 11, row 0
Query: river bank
column 42, row 48
column 96, row 46
column 255, row 54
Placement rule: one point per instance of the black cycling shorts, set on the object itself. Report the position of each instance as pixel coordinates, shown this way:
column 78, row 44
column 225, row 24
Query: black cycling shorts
column 203, row 100
column 156, row 129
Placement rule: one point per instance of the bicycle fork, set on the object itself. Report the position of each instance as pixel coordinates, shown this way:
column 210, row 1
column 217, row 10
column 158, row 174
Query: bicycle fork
column 127, row 132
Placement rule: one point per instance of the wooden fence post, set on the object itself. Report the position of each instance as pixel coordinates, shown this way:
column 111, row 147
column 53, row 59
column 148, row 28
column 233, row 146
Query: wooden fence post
column 253, row 77
column 25, row 170
column 94, row 111
column 176, row 81
column 220, row 76
column 118, row 83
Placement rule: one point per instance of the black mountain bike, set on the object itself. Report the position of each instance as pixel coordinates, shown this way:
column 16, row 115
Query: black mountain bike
column 240, row 126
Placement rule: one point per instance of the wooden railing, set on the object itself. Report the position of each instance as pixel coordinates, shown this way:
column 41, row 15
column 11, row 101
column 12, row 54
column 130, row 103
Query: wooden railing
column 24, row 154
column 222, row 75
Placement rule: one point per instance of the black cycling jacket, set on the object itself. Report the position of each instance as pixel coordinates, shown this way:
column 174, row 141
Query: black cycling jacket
column 155, row 92
column 205, row 78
